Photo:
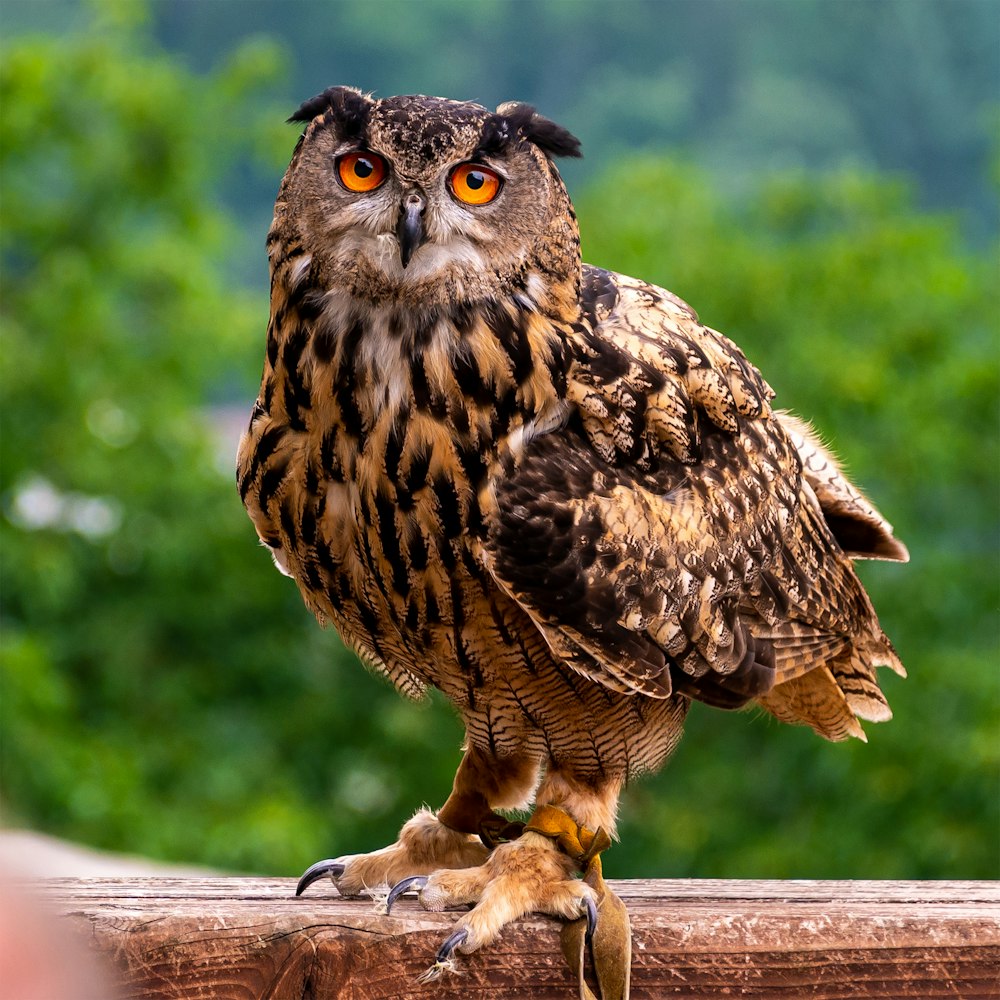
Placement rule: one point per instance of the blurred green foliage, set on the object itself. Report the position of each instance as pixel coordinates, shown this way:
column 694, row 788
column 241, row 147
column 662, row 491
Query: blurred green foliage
column 164, row 691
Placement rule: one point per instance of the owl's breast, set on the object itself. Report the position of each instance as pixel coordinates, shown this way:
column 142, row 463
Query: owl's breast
column 367, row 467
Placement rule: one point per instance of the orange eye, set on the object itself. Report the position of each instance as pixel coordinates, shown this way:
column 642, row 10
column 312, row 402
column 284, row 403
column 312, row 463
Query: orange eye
column 361, row 172
column 474, row 184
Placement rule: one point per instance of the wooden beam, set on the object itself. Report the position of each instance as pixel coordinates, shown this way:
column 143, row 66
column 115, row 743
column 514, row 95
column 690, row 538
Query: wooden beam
column 250, row 938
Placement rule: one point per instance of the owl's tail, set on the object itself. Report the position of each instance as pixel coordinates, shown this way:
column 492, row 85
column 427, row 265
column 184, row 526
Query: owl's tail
column 825, row 675
column 831, row 697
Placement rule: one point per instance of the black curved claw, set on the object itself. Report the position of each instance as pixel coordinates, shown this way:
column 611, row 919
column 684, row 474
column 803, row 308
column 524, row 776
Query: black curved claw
column 443, row 962
column 591, row 917
column 328, row 867
column 454, row 940
column 418, row 881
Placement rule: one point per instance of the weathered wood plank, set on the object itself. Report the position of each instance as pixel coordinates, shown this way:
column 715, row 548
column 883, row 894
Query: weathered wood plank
column 250, row 938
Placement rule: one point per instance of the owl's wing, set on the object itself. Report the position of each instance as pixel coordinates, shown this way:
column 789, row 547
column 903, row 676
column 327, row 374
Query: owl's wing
column 863, row 533
column 648, row 377
column 653, row 566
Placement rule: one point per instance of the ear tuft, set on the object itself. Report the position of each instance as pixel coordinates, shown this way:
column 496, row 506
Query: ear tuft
column 347, row 106
column 521, row 120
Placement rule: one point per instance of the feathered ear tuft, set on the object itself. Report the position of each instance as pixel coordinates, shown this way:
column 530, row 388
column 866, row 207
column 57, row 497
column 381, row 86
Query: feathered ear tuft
column 346, row 106
column 550, row 137
column 520, row 121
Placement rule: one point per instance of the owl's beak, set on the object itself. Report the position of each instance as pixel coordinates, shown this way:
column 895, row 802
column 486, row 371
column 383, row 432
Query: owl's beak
column 410, row 230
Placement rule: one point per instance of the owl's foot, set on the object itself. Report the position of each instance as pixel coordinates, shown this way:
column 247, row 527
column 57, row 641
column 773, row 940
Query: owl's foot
column 527, row 875
column 534, row 874
column 424, row 846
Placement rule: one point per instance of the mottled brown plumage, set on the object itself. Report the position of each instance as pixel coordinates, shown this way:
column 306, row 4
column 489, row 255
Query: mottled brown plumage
column 543, row 488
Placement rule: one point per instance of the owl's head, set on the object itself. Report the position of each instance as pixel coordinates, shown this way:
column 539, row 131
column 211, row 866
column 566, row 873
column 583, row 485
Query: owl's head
column 424, row 201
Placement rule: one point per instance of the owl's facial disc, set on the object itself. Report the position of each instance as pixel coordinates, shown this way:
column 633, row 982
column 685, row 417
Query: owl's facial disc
column 403, row 229
column 409, row 231
column 428, row 201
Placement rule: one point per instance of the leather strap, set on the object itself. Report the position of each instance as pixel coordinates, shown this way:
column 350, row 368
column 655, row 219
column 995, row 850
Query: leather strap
column 611, row 946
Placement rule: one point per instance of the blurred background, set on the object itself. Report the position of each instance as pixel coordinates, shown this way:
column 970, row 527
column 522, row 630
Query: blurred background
column 819, row 179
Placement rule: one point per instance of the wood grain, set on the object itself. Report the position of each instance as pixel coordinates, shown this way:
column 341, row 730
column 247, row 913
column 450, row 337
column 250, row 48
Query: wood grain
column 250, row 938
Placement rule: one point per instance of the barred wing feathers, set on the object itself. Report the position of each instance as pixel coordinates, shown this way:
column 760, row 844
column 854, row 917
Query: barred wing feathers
column 672, row 536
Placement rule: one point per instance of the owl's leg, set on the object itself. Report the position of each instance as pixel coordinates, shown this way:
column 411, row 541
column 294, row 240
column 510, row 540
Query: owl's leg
column 592, row 803
column 537, row 872
column 448, row 839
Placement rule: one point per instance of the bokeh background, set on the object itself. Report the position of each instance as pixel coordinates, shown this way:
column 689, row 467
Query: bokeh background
column 819, row 179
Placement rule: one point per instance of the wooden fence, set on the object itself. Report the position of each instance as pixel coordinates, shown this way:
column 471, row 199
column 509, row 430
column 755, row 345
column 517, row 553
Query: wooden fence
column 250, row 938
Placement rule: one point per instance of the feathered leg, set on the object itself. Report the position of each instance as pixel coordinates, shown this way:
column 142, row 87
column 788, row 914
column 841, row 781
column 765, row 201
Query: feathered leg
column 448, row 839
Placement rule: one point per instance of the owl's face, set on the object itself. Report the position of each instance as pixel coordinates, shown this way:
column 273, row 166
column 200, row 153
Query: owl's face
column 424, row 201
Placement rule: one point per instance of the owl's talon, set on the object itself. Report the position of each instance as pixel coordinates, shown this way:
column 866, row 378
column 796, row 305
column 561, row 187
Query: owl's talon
column 413, row 882
column 331, row 866
column 443, row 961
column 453, row 940
column 591, row 917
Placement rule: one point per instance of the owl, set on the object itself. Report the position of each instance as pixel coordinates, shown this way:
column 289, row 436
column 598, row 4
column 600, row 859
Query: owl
column 543, row 488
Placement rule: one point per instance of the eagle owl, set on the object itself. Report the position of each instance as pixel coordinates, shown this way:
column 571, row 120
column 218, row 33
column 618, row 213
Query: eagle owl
column 544, row 488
